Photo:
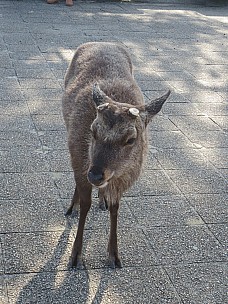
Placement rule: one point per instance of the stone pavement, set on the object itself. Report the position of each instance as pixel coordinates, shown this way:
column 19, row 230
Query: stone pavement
column 172, row 225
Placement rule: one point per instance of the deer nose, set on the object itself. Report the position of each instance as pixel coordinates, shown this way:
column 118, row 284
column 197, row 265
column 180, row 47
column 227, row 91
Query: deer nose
column 95, row 176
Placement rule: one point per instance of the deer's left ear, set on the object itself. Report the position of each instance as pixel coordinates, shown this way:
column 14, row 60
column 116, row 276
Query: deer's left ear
column 155, row 106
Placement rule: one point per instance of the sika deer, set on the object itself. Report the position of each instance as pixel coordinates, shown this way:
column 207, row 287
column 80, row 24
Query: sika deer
column 106, row 121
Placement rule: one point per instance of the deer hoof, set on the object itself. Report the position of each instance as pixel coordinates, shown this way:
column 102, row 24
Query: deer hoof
column 76, row 262
column 115, row 262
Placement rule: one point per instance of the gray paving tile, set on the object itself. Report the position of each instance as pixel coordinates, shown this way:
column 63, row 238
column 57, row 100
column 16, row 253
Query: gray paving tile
column 178, row 159
column 194, row 123
column 1, row 255
column 23, row 160
column 12, row 95
column 41, row 83
column 48, row 122
column 153, row 182
column 185, row 244
column 59, row 160
column 27, row 185
column 24, row 138
column 220, row 231
column 32, row 215
column 200, row 283
column 36, row 73
column 15, row 122
column 201, row 180
column 217, row 156
column 37, row 251
column 169, row 140
column 11, row 107
column 55, row 140
column 3, row 291
column 209, row 139
column 104, row 286
column 162, row 123
column 221, row 121
column 42, row 94
column 162, row 211
column 180, row 109
column 49, row 287
column 210, row 206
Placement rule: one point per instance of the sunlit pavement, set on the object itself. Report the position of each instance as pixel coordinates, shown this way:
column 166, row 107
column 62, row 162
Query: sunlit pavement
column 172, row 224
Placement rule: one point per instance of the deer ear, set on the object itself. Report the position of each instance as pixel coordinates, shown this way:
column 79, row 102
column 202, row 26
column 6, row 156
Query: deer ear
column 99, row 96
column 155, row 106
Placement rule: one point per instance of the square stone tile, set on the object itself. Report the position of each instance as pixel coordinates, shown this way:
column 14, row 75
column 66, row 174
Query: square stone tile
column 162, row 211
column 180, row 109
column 59, row 160
column 217, row 156
column 32, row 215
column 11, row 107
column 48, row 122
column 133, row 248
column 200, row 282
column 198, row 181
column 125, row 285
column 220, row 231
column 15, row 123
column 169, row 140
column 23, row 160
column 42, row 94
column 1, row 254
column 49, row 287
column 153, row 182
column 37, row 251
column 179, row 159
column 217, row 109
column 27, row 185
column 23, row 138
column 209, row 139
column 3, row 291
column 53, row 140
column 211, row 207
column 65, row 183
column 162, row 123
column 39, row 83
column 186, row 244
column 221, row 121
column 194, row 123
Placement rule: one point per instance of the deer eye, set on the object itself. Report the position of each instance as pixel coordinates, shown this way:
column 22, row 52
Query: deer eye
column 130, row 141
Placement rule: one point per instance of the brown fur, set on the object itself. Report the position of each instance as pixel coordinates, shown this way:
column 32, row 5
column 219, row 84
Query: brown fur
column 107, row 142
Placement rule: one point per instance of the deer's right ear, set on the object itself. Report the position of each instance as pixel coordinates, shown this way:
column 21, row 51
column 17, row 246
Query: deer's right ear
column 99, row 96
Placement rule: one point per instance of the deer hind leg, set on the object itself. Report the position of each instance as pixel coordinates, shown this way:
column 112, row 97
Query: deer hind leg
column 103, row 205
column 74, row 203
column 114, row 259
column 85, row 204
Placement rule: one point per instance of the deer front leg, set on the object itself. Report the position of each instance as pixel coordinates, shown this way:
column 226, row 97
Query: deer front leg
column 74, row 203
column 114, row 259
column 85, row 203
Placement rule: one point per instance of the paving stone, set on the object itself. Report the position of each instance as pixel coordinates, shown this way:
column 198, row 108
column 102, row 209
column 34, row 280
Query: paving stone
column 194, row 123
column 27, row 185
column 32, row 215
column 42, row 107
column 153, row 182
column 198, row 181
column 185, row 244
column 178, row 159
column 24, row 138
column 43, row 83
column 37, row 251
column 209, row 139
column 48, row 122
column 200, row 282
column 1, row 257
column 23, row 160
column 42, row 94
column 59, row 160
column 55, row 140
column 162, row 123
column 12, row 95
column 220, row 231
column 3, row 291
column 15, row 123
column 169, row 140
column 217, row 156
column 180, row 109
column 11, row 107
column 162, row 211
column 36, row 73
column 221, row 121
column 49, row 287
column 210, row 206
